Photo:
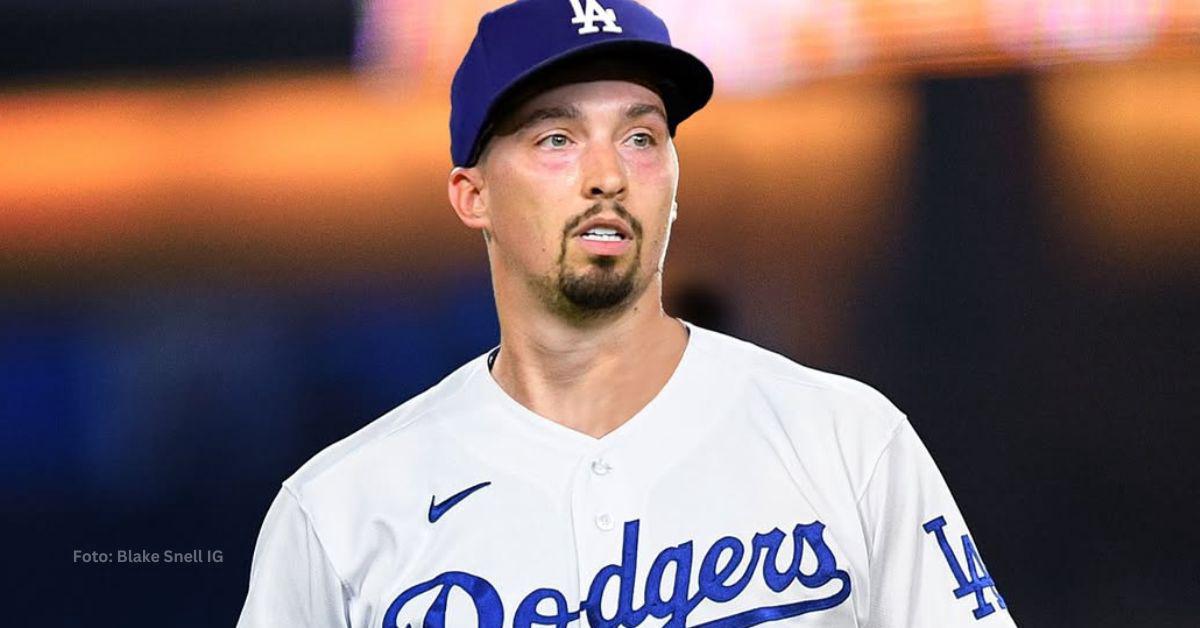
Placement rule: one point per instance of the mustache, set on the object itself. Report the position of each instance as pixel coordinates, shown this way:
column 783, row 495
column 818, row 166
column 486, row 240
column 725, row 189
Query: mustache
column 617, row 207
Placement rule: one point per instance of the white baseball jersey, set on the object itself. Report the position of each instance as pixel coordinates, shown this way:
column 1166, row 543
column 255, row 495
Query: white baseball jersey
column 751, row 490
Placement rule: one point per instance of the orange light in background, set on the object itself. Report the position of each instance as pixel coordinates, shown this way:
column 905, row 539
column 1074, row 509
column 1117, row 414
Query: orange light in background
column 1123, row 148
column 69, row 162
column 793, row 195
column 106, row 169
column 1097, row 29
column 320, row 172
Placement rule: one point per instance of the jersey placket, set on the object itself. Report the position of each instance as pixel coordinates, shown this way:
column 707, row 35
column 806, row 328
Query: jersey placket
column 602, row 502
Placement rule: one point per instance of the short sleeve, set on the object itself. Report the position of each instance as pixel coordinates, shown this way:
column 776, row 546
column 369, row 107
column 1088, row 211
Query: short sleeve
column 292, row 582
column 925, row 568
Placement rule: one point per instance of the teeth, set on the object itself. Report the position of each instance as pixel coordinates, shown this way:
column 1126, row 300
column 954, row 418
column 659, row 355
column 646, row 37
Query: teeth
column 601, row 237
column 603, row 234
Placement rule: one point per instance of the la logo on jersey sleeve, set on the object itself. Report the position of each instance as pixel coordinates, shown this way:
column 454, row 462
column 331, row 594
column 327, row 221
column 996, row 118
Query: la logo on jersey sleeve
column 593, row 12
column 976, row 578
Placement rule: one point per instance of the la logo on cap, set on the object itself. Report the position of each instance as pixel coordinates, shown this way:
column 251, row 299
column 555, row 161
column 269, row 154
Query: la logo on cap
column 592, row 14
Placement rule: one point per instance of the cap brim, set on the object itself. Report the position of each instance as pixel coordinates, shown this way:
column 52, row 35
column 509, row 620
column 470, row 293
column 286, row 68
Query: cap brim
column 683, row 81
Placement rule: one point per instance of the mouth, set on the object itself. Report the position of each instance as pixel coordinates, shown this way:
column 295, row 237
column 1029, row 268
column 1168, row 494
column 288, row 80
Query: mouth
column 604, row 237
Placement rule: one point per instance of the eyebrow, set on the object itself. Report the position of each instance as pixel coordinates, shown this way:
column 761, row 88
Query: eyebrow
column 645, row 109
column 557, row 112
column 571, row 112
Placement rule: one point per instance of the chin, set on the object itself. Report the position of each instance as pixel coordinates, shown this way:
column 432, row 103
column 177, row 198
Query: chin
column 603, row 286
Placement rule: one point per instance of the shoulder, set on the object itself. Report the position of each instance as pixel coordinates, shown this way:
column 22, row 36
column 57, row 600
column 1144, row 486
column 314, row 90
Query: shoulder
column 775, row 375
column 345, row 463
column 824, row 416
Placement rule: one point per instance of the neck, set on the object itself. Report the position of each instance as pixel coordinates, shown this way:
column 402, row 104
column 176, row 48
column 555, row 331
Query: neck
column 591, row 376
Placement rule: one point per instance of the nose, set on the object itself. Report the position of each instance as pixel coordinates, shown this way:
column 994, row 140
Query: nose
column 603, row 173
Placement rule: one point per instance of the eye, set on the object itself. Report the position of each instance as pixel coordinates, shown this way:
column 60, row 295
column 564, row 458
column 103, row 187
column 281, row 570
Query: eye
column 641, row 140
column 556, row 140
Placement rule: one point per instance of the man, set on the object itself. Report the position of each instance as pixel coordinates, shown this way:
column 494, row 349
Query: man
column 608, row 464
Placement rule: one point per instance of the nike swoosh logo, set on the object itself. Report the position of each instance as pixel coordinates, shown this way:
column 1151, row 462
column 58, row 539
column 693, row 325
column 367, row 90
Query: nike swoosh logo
column 436, row 510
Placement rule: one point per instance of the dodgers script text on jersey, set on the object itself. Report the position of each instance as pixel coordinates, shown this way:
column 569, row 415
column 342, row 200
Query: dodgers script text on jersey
column 750, row 491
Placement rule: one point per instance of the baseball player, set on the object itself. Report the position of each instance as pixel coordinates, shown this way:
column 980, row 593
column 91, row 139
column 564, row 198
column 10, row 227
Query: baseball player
column 608, row 464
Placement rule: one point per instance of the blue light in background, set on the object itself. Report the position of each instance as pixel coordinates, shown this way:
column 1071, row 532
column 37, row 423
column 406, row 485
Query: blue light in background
column 134, row 398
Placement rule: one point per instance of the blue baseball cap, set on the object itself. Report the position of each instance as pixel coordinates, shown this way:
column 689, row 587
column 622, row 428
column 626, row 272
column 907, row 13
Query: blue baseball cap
column 518, row 43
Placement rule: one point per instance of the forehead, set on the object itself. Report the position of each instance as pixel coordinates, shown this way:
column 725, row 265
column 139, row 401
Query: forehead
column 576, row 99
column 591, row 94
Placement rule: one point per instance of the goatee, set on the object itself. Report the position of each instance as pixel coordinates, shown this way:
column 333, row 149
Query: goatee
column 599, row 288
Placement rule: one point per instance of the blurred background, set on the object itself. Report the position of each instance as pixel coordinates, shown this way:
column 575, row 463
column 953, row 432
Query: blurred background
column 224, row 244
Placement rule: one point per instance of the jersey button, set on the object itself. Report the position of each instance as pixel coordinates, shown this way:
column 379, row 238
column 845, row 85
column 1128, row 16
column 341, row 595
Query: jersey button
column 604, row 521
column 600, row 467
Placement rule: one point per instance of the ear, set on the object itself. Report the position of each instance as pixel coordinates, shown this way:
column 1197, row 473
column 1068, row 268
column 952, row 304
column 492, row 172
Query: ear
column 465, row 188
